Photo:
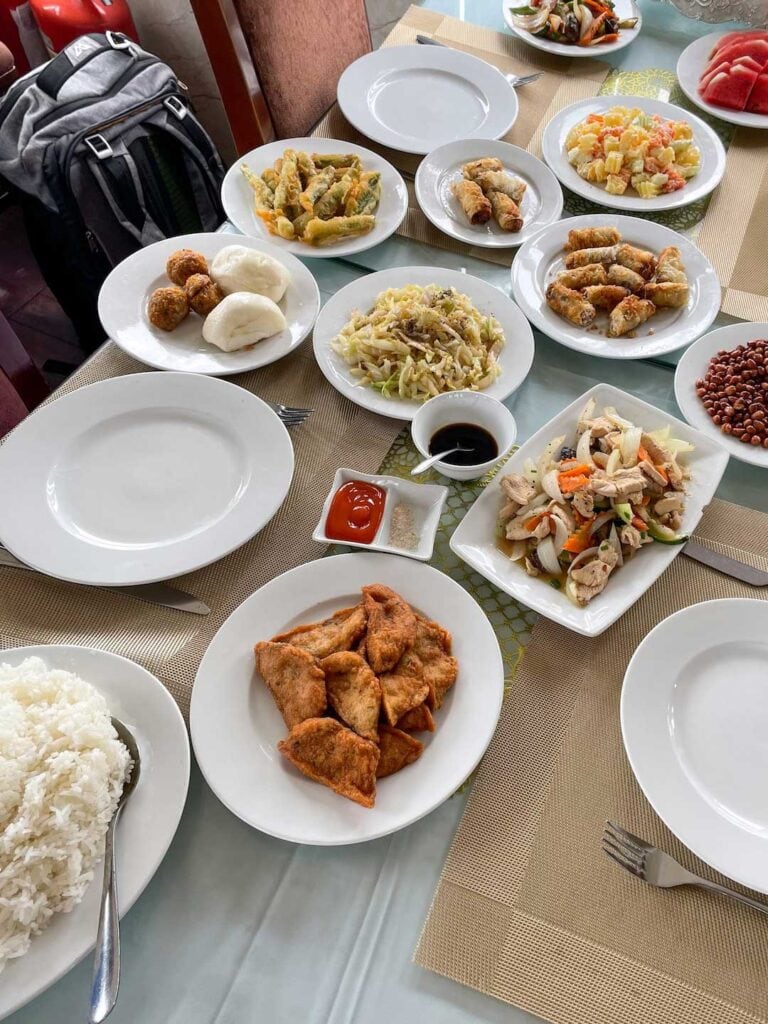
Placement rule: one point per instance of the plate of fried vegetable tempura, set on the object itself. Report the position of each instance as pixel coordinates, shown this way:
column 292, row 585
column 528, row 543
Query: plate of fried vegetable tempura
column 315, row 197
column 346, row 699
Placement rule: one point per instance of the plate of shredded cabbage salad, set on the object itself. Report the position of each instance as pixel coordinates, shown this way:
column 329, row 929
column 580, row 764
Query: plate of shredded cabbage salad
column 577, row 28
column 390, row 341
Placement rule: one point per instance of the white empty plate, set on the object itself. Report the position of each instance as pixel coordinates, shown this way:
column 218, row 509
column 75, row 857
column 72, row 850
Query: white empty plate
column 540, row 259
column 694, row 718
column 235, row 724
column 708, row 177
column 146, row 826
column 237, row 197
column 415, row 98
column 515, row 358
column 624, row 9
column 141, row 478
column 542, row 201
column 125, row 293
column 690, row 67
column 693, row 366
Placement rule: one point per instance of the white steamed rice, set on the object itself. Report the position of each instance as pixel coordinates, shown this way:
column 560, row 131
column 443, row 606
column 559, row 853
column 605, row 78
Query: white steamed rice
column 62, row 770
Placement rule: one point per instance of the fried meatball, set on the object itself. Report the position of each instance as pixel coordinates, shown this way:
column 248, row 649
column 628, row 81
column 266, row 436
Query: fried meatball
column 183, row 264
column 167, row 308
column 203, row 294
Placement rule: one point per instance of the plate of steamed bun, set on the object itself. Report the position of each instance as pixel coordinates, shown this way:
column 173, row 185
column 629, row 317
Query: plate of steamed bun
column 209, row 303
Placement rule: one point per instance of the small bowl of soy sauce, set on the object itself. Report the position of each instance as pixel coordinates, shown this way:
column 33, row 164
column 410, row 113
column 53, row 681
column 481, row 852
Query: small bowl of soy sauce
column 480, row 425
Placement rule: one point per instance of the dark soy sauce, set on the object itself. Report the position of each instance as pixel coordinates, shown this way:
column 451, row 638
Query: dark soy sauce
column 482, row 445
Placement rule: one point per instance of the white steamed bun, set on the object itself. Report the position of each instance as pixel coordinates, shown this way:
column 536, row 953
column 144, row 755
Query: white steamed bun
column 241, row 319
column 237, row 268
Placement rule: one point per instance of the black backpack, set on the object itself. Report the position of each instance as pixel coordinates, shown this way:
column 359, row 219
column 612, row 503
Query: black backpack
column 105, row 154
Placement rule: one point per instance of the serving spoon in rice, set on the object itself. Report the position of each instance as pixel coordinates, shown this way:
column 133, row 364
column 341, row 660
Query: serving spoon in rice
column 106, row 962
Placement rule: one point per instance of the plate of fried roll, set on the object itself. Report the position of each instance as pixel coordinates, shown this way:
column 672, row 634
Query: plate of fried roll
column 616, row 287
column 315, row 197
column 487, row 193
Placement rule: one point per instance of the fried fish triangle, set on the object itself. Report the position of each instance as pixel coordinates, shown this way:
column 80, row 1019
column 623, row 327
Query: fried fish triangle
column 329, row 753
column 433, row 646
column 391, row 627
column 339, row 633
column 353, row 692
column 295, row 679
column 418, row 719
column 403, row 688
column 397, row 750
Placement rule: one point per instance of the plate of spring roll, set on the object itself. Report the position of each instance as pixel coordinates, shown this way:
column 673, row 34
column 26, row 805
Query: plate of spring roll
column 615, row 287
column 315, row 197
column 488, row 193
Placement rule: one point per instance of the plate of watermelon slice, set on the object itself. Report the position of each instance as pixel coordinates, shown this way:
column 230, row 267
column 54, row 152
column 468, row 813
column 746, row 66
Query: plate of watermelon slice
column 726, row 74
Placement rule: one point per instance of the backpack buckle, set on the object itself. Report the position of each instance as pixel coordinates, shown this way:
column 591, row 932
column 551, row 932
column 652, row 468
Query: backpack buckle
column 176, row 107
column 99, row 146
column 117, row 40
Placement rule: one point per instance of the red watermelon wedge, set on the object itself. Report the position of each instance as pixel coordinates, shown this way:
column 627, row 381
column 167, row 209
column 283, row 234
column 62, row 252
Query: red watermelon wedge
column 755, row 48
column 735, row 37
column 758, row 98
column 706, row 78
column 731, row 88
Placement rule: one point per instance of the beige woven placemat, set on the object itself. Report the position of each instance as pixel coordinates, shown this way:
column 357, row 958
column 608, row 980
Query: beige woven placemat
column 559, row 87
column 35, row 609
column 528, row 909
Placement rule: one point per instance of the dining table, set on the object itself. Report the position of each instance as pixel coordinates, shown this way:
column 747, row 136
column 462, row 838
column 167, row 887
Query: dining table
column 237, row 926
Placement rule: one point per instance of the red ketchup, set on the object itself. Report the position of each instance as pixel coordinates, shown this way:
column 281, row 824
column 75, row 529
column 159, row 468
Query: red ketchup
column 355, row 512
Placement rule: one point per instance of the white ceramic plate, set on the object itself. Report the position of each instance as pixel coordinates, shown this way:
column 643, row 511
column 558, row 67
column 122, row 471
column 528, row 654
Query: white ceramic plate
column 515, row 358
column 475, row 537
column 539, row 260
column 694, row 717
column 415, row 98
column 708, row 178
column 690, row 67
column 146, row 827
column 624, row 9
column 125, row 293
column 141, row 478
column 237, row 197
column 693, row 366
column 236, row 726
column 542, row 202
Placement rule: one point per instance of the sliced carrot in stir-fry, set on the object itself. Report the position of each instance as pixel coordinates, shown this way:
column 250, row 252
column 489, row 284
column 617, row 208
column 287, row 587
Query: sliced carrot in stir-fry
column 532, row 523
column 578, row 541
column 639, row 524
column 569, row 483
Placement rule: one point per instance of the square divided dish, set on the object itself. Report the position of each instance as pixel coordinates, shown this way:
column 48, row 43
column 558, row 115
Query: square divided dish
column 475, row 538
column 425, row 501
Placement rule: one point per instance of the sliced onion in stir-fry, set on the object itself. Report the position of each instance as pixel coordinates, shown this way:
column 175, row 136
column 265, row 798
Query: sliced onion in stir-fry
column 529, row 471
column 547, row 457
column 547, row 556
column 533, row 22
column 586, row 414
column 551, row 486
column 518, row 550
column 586, row 21
column 583, row 454
column 613, row 540
column 537, row 502
column 561, row 533
column 614, row 462
column 618, row 421
column 630, row 445
column 601, row 520
column 583, row 557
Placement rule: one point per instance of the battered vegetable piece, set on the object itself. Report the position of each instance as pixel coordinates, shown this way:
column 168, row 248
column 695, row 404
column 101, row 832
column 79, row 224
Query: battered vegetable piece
column 625, row 278
column 294, row 678
column 418, row 719
column 203, row 294
column 486, row 163
column 322, row 232
column 167, row 307
column 433, row 647
column 391, row 629
column 317, row 185
column 353, row 692
column 183, row 264
column 335, row 197
column 321, row 160
column 306, row 166
column 288, row 190
column 582, row 277
column 270, row 178
column 284, row 228
column 500, row 181
column 670, row 267
column 263, row 195
column 338, row 633
column 326, row 752
column 570, row 304
column 403, row 688
column 506, row 211
column 300, row 224
column 397, row 749
column 629, row 314
column 667, row 293
column 605, row 296
column 639, row 260
column 591, row 238
column 581, row 257
column 364, row 196
column 476, row 207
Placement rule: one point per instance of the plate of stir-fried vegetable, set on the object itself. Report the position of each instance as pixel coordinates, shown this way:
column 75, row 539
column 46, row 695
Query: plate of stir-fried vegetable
column 577, row 28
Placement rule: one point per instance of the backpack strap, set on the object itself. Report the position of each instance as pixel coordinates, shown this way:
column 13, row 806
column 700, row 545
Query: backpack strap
column 116, row 174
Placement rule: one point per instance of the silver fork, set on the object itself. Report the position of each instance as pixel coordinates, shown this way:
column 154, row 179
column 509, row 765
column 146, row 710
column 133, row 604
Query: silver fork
column 291, row 416
column 656, row 867
column 514, row 80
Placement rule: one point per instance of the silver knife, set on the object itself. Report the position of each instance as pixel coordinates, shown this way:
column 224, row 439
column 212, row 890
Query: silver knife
column 725, row 564
column 154, row 593
column 428, row 41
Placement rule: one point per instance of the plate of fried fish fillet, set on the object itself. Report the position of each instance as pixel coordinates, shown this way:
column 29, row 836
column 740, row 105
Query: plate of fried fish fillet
column 346, row 699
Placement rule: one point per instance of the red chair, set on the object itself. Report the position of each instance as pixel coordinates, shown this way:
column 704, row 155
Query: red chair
column 22, row 386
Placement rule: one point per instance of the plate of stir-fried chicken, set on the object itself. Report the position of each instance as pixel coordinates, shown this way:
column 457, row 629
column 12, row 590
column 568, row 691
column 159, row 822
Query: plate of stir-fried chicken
column 591, row 509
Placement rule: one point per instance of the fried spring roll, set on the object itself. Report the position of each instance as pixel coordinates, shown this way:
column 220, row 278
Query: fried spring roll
column 629, row 314
column 263, row 195
column 321, row 160
column 271, row 178
column 670, row 267
column 474, row 204
column 323, row 232
column 581, row 257
column 288, row 190
column 506, row 211
column 591, row 238
column 605, row 296
column 364, row 196
column 670, row 294
column 486, row 163
column 317, row 186
column 639, row 260
column 500, row 181
column 582, row 277
column 571, row 305
column 306, row 166
column 333, row 200
column 625, row 278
